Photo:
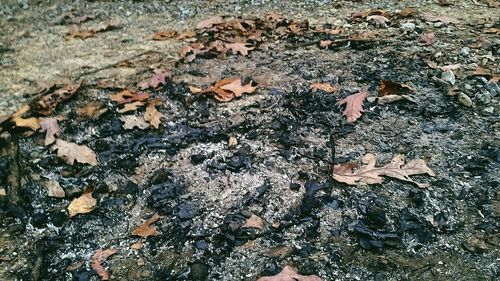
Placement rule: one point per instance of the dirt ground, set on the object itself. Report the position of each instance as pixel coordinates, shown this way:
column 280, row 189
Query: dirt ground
column 205, row 186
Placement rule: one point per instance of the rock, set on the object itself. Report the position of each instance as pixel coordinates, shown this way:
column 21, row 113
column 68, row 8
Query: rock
column 376, row 216
column 489, row 110
column 199, row 271
column 295, row 186
column 232, row 142
column 408, row 26
column 473, row 244
column 465, row 51
column 448, row 76
column 187, row 211
column 464, row 100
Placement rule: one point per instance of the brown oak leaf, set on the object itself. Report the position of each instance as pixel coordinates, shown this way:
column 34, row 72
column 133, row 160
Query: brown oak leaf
column 98, row 258
column 254, row 221
column 239, row 48
column 131, row 106
column 388, row 87
column 51, row 129
column 208, row 23
column 370, row 174
column 155, row 81
column 354, row 106
column 145, row 229
column 152, row 115
column 48, row 103
column 289, row 273
column 163, row 35
column 17, row 118
column 71, row 152
column 238, row 88
column 326, row 87
column 83, row 204
column 127, row 96
column 93, row 110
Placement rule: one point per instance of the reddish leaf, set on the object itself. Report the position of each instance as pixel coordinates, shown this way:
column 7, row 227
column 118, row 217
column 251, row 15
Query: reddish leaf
column 99, row 257
column 239, row 48
column 145, row 229
column 162, row 35
column 48, row 103
column 127, row 96
column 50, row 126
column 238, row 88
column 354, row 106
column 155, row 80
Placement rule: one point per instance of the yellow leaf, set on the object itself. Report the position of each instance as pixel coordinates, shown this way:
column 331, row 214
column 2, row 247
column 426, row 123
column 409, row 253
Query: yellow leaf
column 83, row 204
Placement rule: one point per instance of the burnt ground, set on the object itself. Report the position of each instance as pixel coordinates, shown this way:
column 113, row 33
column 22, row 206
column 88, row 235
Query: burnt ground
column 288, row 137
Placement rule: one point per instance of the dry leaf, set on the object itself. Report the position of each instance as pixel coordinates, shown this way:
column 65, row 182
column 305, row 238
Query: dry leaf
column 443, row 19
column 79, row 34
column 83, row 204
column 137, row 245
column 127, row 96
column 290, row 274
column 238, row 88
column 492, row 30
column 155, row 81
column 239, row 48
column 54, row 189
column 131, row 121
column 50, row 126
column 427, row 38
column 280, row 252
column 145, row 229
column 326, row 87
column 48, row 103
column 208, row 23
column 71, row 152
column 377, row 19
column 408, row 11
column 354, row 106
column 186, row 34
column 32, row 123
column 163, row 35
column 370, row 174
column 325, row 43
column 3, row 192
column 99, row 257
column 131, row 106
column 393, row 88
column 195, row 90
column 254, row 222
column 93, row 110
column 450, row 67
column 152, row 115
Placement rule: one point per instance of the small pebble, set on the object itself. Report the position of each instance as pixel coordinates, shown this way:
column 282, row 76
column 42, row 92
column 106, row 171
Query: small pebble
column 464, row 100
column 465, row 51
column 448, row 76
column 408, row 26
column 489, row 110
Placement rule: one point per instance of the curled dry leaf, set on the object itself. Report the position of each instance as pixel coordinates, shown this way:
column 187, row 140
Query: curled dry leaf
column 152, row 115
column 132, row 121
column 93, row 110
column 326, row 87
column 83, row 204
column 18, row 120
column 71, row 152
column 155, row 81
column 145, row 229
column 443, row 19
column 354, row 106
column 289, row 273
column 254, row 221
column 238, row 88
column 99, row 257
column 427, row 38
column 388, row 87
column 370, row 174
column 48, row 103
column 127, row 96
column 50, row 126
column 208, row 23
column 163, row 35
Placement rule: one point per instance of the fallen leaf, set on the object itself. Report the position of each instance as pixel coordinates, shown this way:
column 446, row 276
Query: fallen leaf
column 127, row 96
column 3, row 192
column 80, row 34
column 443, row 19
column 239, row 48
column 492, row 30
column 427, row 38
column 155, row 81
column 377, row 19
column 208, row 23
column 186, row 34
column 54, row 189
column 326, row 87
column 325, row 43
column 145, row 229
column 393, row 88
column 450, row 67
column 83, row 204
column 48, row 103
column 408, row 11
column 32, row 122
column 238, row 88
column 131, row 106
column 132, row 121
column 71, row 152
column 137, row 245
column 50, row 126
column 93, row 110
column 163, row 35
column 99, row 257
column 370, row 174
column 152, row 115
column 254, row 222
column 289, row 273
column 354, row 106
column 74, row 266
column 195, row 90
